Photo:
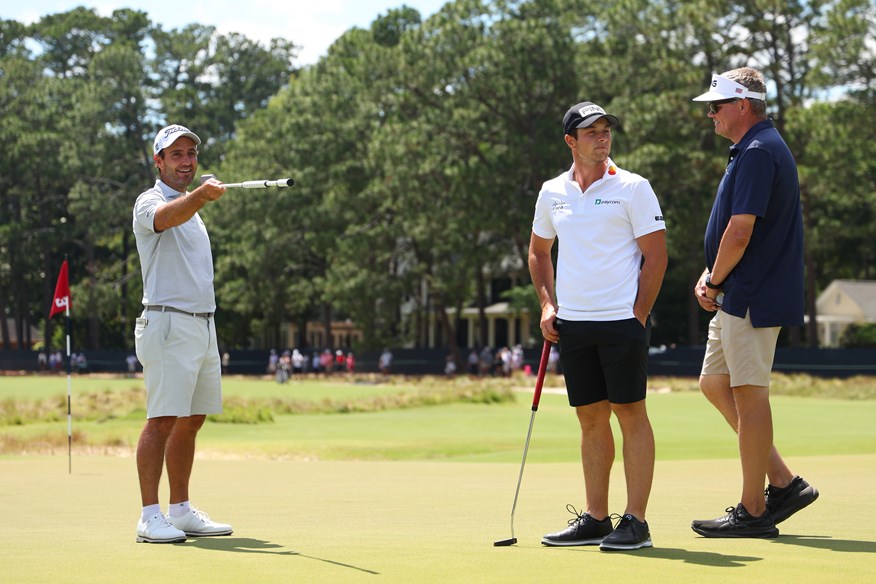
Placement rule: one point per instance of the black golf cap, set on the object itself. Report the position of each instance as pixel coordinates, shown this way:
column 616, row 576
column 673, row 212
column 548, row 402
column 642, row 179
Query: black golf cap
column 584, row 115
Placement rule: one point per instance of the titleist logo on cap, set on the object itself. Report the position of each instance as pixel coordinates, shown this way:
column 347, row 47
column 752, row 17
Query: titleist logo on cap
column 172, row 129
column 167, row 135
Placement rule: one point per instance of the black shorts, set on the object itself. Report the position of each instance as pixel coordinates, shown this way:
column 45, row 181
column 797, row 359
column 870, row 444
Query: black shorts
column 604, row 360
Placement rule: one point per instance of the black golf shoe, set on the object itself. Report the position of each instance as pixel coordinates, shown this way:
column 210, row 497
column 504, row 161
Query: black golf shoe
column 629, row 534
column 582, row 530
column 784, row 502
column 737, row 523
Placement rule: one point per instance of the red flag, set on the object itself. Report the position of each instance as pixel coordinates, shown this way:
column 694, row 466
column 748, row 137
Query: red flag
column 61, row 301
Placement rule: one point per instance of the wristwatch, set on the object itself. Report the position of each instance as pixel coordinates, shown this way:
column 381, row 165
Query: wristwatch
column 709, row 283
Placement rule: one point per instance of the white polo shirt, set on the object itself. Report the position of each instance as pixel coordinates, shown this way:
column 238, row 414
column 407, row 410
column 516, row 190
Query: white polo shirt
column 176, row 264
column 599, row 260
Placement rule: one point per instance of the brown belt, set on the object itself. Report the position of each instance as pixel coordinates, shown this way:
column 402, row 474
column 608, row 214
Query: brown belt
column 159, row 308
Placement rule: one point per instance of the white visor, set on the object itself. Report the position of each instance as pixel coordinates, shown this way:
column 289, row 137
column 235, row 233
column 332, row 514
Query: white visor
column 723, row 88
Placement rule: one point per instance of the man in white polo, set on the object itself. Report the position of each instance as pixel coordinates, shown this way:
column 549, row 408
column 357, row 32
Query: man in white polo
column 611, row 261
column 175, row 336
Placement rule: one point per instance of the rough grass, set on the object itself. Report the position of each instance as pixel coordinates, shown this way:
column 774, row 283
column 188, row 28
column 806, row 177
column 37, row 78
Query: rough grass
column 107, row 405
column 240, row 410
column 91, row 406
column 860, row 387
column 56, row 443
column 107, row 414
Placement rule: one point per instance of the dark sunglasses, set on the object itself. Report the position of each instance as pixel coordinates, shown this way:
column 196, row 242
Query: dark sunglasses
column 715, row 106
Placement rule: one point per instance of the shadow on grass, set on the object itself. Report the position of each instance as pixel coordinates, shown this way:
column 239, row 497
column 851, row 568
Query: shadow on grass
column 825, row 542
column 690, row 557
column 247, row 545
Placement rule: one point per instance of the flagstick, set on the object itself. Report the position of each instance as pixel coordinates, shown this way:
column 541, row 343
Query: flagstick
column 62, row 298
column 69, row 416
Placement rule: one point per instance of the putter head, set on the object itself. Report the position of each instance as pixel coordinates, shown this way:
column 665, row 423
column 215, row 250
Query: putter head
column 505, row 542
column 206, row 177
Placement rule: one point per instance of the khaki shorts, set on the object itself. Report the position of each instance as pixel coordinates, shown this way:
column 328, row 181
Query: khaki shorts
column 737, row 349
column 181, row 365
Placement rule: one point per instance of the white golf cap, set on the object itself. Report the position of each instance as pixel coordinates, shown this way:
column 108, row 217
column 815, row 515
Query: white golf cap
column 723, row 88
column 168, row 135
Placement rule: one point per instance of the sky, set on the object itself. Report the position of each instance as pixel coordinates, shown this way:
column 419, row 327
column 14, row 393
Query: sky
column 313, row 25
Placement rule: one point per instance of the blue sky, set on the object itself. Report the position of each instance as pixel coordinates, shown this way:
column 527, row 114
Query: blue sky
column 313, row 25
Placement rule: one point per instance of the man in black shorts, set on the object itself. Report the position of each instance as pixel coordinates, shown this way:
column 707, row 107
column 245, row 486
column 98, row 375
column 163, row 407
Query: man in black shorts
column 609, row 270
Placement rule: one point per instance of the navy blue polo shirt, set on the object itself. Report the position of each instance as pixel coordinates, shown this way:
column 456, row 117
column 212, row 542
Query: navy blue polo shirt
column 761, row 180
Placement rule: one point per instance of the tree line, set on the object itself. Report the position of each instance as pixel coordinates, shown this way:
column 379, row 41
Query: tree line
column 418, row 147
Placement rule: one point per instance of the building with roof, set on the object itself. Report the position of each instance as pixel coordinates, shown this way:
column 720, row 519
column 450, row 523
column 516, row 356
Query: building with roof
column 844, row 302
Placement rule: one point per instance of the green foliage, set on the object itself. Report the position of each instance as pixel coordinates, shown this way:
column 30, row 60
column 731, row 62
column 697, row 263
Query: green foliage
column 418, row 147
column 387, row 30
column 522, row 299
column 78, row 95
column 859, row 335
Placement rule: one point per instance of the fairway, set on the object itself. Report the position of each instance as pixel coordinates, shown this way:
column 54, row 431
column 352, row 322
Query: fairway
column 416, row 522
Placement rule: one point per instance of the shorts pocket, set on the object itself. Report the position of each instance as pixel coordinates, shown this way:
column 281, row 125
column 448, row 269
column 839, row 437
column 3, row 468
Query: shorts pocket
column 149, row 337
column 639, row 332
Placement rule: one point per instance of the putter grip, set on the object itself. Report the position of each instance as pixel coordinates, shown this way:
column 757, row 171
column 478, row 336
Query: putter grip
column 254, row 184
column 542, row 369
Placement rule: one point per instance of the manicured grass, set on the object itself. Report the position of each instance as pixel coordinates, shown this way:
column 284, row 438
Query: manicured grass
column 406, row 495
column 403, row 522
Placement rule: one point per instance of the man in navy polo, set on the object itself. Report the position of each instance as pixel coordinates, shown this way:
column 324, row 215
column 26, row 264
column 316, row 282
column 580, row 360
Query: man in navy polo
column 753, row 282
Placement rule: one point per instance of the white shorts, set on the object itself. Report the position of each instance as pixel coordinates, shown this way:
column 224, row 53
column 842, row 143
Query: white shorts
column 181, row 365
column 737, row 349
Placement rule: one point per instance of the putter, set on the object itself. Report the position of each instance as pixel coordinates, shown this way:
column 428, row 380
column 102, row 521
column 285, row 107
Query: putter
column 539, row 381
column 252, row 184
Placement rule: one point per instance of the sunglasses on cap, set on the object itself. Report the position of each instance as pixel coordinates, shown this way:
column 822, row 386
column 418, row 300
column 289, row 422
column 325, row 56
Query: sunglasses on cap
column 715, row 106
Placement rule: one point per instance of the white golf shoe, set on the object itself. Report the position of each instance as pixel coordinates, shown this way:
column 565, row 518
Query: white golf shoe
column 195, row 523
column 156, row 529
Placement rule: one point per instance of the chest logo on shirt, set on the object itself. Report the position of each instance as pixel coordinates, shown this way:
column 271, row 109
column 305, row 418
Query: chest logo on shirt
column 606, row 202
column 558, row 206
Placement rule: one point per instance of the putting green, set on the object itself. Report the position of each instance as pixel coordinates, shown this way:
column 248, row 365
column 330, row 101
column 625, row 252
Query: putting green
column 381, row 521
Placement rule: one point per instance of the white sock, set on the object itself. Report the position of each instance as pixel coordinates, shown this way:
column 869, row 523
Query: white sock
column 178, row 509
column 150, row 510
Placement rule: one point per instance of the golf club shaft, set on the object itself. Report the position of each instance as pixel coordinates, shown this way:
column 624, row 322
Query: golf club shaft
column 281, row 183
column 261, row 184
column 539, row 382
